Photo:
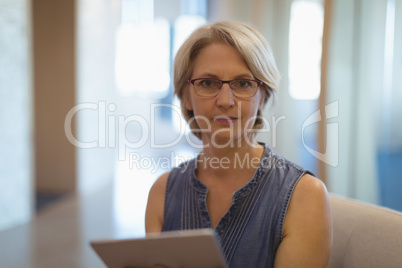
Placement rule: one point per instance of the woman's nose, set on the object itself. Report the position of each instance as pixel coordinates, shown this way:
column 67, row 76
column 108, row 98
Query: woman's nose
column 225, row 96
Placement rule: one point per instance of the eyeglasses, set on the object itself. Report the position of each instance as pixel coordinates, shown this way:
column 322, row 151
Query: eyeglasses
column 210, row 87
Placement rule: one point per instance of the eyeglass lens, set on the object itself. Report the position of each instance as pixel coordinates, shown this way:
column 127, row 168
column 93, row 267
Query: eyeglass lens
column 211, row 87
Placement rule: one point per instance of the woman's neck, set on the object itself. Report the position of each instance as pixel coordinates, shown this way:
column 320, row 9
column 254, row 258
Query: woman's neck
column 230, row 159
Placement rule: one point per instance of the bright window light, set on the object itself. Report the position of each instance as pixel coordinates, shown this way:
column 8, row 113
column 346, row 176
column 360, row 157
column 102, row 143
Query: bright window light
column 142, row 65
column 305, row 45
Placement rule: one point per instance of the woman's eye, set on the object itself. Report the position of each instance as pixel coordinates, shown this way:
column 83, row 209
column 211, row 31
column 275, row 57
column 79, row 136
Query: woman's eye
column 207, row 83
column 244, row 83
column 241, row 84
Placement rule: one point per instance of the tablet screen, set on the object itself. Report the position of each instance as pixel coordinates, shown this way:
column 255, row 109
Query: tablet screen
column 190, row 248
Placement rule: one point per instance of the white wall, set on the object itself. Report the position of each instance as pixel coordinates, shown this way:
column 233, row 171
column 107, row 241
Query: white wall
column 354, row 79
column 16, row 148
column 96, row 26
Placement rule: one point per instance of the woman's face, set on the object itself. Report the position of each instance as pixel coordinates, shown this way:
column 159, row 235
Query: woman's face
column 225, row 118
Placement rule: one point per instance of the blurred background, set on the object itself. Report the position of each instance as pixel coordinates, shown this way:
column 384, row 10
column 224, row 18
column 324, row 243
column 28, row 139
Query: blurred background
column 88, row 120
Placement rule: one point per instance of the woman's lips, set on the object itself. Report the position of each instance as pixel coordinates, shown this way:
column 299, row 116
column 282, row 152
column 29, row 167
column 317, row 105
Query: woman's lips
column 225, row 120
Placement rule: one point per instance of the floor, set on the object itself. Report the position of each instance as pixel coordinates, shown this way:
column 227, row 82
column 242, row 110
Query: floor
column 59, row 236
column 60, row 233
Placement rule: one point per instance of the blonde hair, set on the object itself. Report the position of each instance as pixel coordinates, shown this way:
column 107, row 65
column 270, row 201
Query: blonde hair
column 250, row 44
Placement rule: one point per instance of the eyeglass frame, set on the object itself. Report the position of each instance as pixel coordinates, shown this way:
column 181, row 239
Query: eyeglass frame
column 259, row 83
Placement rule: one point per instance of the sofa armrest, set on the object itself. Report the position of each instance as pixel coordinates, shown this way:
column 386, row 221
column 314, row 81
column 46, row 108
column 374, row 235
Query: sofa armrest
column 365, row 235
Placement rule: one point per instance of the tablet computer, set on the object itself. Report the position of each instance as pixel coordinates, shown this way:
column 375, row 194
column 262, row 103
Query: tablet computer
column 190, row 248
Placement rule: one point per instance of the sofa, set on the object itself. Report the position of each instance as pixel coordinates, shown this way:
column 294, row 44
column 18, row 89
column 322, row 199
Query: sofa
column 365, row 235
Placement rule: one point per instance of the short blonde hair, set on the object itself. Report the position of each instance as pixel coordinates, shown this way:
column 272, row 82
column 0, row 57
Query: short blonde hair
column 246, row 40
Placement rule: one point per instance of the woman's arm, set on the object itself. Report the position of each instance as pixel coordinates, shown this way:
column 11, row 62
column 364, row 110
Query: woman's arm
column 155, row 205
column 307, row 231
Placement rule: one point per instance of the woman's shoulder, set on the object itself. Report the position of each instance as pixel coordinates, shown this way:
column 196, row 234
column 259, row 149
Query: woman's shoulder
column 162, row 182
column 307, row 231
column 162, row 186
column 310, row 191
column 309, row 184
column 282, row 168
column 155, row 205
column 309, row 198
column 279, row 161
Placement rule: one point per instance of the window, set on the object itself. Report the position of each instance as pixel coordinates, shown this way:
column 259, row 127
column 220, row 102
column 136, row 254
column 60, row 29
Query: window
column 305, row 38
column 142, row 66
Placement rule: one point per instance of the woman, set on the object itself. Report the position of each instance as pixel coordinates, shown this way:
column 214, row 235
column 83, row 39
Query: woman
column 266, row 211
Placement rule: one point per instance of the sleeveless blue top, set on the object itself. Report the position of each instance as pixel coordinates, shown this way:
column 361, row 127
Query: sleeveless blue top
column 251, row 230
